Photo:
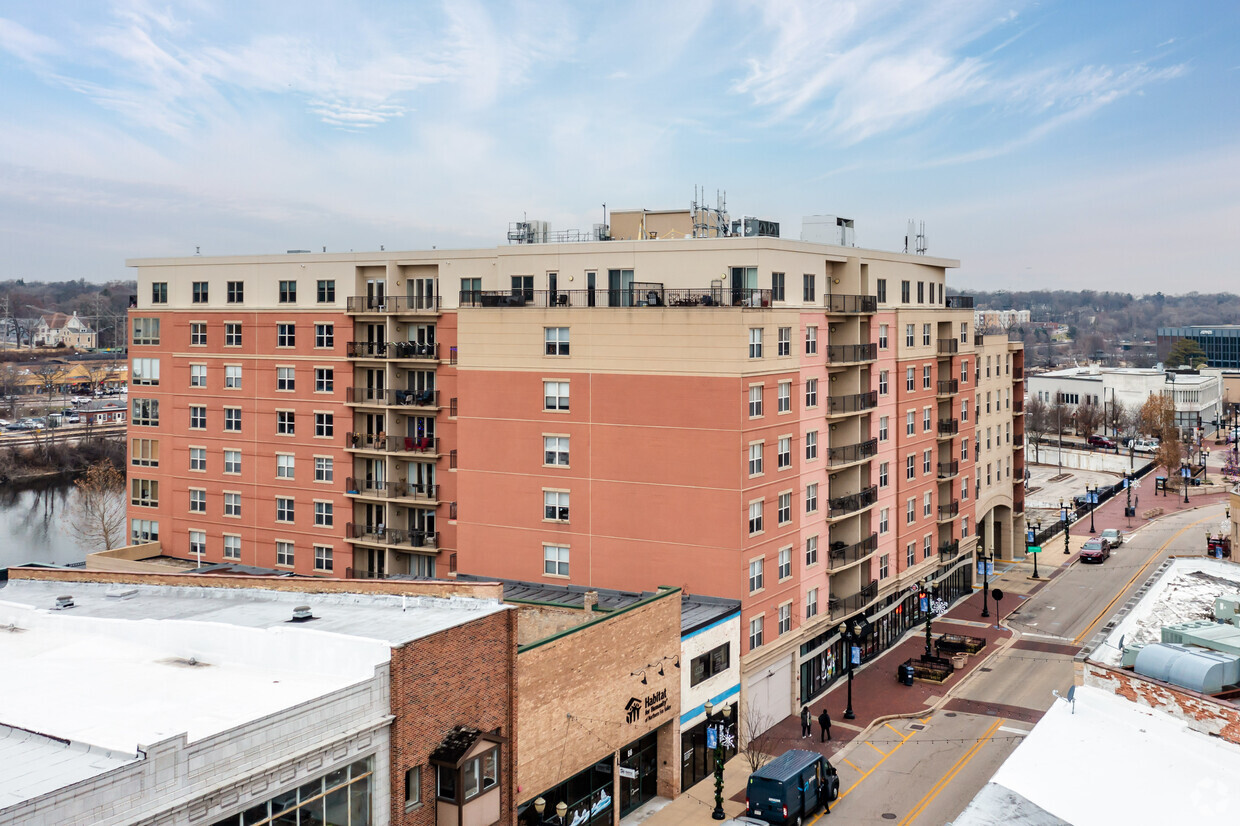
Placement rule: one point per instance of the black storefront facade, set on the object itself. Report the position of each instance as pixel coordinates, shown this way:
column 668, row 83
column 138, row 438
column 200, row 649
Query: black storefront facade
column 824, row 659
column 697, row 762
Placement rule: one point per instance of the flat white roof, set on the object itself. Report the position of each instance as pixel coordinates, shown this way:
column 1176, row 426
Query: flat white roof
column 34, row 765
column 1110, row 762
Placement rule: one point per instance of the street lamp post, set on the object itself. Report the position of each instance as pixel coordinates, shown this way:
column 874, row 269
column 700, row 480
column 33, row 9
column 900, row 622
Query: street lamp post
column 1205, row 469
column 1063, row 513
column 1037, row 529
column 720, row 725
column 928, row 592
column 1184, row 478
column 851, row 634
column 982, row 561
column 1092, row 495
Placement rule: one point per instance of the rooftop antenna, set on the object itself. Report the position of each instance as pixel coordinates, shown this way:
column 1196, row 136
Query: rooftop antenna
column 197, row 250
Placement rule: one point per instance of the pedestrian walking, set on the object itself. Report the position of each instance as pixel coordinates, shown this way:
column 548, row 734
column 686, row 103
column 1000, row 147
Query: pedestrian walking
column 824, row 723
column 806, row 722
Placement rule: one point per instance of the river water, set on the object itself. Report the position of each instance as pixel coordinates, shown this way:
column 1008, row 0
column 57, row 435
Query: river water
column 33, row 520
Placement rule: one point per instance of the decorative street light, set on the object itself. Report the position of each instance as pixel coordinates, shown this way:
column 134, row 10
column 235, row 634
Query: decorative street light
column 851, row 635
column 928, row 595
column 982, row 563
column 719, row 726
column 1029, row 538
column 1063, row 514
column 1184, row 471
column 1092, row 497
column 1205, row 470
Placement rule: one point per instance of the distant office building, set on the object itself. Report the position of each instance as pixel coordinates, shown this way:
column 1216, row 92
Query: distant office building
column 1198, row 395
column 1221, row 343
column 999, row 319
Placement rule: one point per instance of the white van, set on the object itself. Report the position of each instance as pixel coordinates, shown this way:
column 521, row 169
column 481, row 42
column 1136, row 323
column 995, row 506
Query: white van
column 1143, row 445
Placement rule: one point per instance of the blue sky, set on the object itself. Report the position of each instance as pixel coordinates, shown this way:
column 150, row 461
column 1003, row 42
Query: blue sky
column 1049, row 144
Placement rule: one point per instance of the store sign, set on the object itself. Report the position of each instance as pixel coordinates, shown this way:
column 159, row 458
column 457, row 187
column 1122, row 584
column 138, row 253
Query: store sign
column 653, row 706
column 625, row 771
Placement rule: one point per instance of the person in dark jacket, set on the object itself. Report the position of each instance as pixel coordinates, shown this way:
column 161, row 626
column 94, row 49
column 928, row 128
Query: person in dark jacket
column 824, row 722
column 806, row 722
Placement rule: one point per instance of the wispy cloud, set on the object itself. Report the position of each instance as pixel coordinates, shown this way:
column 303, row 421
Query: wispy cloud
column 24, row 44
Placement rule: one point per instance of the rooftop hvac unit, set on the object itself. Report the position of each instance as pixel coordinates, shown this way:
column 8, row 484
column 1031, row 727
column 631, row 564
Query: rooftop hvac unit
column 828, row 229
column 1206, row 672
column 750, row 227
column 1227, row 608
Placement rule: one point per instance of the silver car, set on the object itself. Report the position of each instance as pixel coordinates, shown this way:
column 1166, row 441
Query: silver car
column 1113, row 537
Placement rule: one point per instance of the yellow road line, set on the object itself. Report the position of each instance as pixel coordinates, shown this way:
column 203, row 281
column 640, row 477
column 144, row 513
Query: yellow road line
column 851, row 763
column 1080, row 638
column 876, row 748
column 893, row 728
column 951, row 774
column 857, row 782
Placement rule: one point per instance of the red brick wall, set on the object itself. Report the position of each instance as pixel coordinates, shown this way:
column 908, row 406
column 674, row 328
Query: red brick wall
column 1198, row 711
column 462, row 676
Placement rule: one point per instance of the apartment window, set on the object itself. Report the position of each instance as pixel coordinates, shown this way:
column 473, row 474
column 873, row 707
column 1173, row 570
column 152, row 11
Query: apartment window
column 910, row 467
column 755, row 575
column 910, row 422
column 232, row 334
column 325, row 335
column 964, row 526
column 145, row 372
column 883, row 474
column 755, row 633
column 232, row 504
column 755, row 459
column 159, row 292
column 811, row 341
column 755, row 342
column 921, row 292
column 198, row 334
column 811, row 498
column 555, row 395
column 755, row 401
column 326, row 292
column 285, row 465
column 784, row 511
column 324, row 425
column 904, row 291
column 236, row 292
column 785, row 452
column 910, row 555
column 811, row 392
column 232, row 546
column 284, row 509
column 882, row 428
column 882, row 336
column 964, row 410
column 807, row 286
column 777, row 286
column 324, row 380
column 324, row 514
column 784, row 397
column 555, row 450
column 925, row 377
column 705, row 666
column 811, row 551
column 964, row 331
column 882, row 382
column 145, row 331
column 197, row 418
column 911, row 511
column 144, row 452
column 197, row 544
column 288, row 292
column 988, row 474
column 555, row 505
column 286, row 335
column 926, row 505
column 884, row 520
column 927, row 546
column 199, row 293
column 909, row 334
column 198, row 375
column 884, row 566
column 881, row 290
column 284, row 554
column 232, row 461
column 144, row 493
column 555, row 560
column 925, row 419
column 197, row 500
column 811, row 603
column 964, row 371
column 285, row 378
column 785, row 618
column 324, row 469
column 988, row 401
column 284, row 422
column 964, row 488
column 322, row 558
column 964, row 450
column 925, row 461
column 925, row 334
column 232, row 376
column 910, row 379
column 785, row 563
column 988, row 438
column 784, row 341
column 811, row 445
column 555, row 341
column 232, row 419
column 755, row 517
column 197, row 458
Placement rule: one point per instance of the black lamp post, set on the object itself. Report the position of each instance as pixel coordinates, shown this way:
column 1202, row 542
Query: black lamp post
column 982, row 561
column 851, row 634
column 1092, row 496
column 928, row 592
column 720, row 724
column 1205, row 470
column 1184, row 478
column 1036, row 529
column 1063, row 513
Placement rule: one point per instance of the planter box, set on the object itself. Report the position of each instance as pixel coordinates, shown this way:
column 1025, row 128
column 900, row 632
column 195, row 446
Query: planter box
column 958, row 644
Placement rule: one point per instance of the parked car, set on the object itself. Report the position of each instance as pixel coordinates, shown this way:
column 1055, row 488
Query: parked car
column 1095, row 549
column 791, row 788
column 1101, row 441
column 1143, row 445
column 1113, row 537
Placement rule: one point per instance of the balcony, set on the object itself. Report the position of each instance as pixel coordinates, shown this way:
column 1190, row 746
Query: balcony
column 948, row 387
column 842, row 554
column 840, row 354
column 392, row 350
column 948, row 469
column 948, row 346
column 366, row 487
column 851, row 304
column 392, row 304
column 949, row 549
column 948, row 428
column 644, row 294
column 856, row 403
column 959, row 302
column 381, row 535
column 378, row 396
column 1018, row 374
column 847, row 505
column 949, row 511
column 1018, row 407
column 844, row 606
column 848, row 454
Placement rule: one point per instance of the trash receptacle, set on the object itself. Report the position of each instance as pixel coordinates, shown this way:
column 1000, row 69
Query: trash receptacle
column 904, row 673
column 959, row 660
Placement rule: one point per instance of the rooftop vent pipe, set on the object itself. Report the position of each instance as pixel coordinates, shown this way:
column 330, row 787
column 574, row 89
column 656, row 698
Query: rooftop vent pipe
column 64, row 602
column 302, row 613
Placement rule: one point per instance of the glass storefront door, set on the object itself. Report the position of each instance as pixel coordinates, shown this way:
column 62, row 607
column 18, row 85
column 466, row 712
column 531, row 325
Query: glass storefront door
column 639, row 758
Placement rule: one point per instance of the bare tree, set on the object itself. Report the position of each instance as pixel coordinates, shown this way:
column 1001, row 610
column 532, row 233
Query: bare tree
column 98, row 516
column 758, row 729
column 1036, row 424
column 49, row 374
column 1089, row 417
column 1157, row 418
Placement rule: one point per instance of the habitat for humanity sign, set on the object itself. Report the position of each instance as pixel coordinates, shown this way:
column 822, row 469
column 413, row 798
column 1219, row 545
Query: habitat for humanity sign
column 653, row 706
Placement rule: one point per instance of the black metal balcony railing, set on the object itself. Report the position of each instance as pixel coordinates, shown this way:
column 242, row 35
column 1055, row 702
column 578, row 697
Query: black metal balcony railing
column 392, row 350
column 842, row 553
column 399, row 444
column 949, row 549
column 393, row 398
column 398, row 490
column 948, row 387
column 392, row 536
column 392, row 303
column 367, row 487
column 365, row 441
column 856, row 403
column 647, row 294
column 845, row 505
column 409, row 490
column 848, row 454
column 851, row 353
column 851, row 304
column 948, row 346
column 959, row 302
column 843, row 606
column 948, row 469
column 949, row 511
column 1018, row 406
column 949, row 427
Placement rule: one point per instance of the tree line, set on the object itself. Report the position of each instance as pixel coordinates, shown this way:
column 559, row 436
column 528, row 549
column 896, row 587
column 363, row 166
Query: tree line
column 103, row 306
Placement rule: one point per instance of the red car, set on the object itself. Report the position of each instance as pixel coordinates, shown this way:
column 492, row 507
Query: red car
column 1095, row 549
column 1101, row 441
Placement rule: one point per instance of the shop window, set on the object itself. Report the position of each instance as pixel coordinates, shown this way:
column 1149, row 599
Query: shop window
column 707, row 665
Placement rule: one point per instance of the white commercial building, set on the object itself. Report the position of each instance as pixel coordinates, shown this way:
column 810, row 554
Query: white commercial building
column 1198, row 395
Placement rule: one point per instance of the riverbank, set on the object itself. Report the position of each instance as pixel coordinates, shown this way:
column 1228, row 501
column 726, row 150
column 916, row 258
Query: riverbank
column 49, row 461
